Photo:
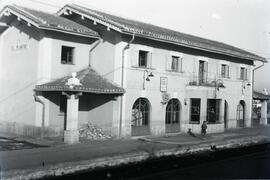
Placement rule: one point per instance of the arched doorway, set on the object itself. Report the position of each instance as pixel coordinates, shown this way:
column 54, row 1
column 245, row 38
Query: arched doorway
column 240, row 119
column 226, row 110
column 172, row 118
column 140, row 117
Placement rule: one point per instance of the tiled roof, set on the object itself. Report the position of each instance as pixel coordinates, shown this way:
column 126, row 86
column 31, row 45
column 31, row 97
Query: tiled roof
column 141, row 29
column 260, row 96
column 91, row 82
column 44, row 20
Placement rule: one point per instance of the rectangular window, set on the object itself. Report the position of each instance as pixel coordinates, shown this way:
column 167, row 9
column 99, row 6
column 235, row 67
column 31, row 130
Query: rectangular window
column 63, row 104
column 213, row 110
column 195, row 107
column 143, row 58
column 176, row 64
column 67, row 55
column 224, row 71
column 203, row 66
column 243, row 73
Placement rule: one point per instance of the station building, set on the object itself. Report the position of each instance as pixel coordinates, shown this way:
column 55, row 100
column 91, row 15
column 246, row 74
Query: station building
column 59, row 71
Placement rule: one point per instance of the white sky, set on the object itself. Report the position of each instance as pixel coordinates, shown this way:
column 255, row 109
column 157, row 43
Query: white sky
column 242, row 23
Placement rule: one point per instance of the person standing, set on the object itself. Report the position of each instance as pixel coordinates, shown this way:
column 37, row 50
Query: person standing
column 204, row 127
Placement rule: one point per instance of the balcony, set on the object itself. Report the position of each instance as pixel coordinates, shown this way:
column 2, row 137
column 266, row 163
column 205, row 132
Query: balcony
column 202, row 81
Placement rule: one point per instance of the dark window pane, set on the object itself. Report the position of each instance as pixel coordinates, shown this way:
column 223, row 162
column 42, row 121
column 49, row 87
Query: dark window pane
column 67, row 55
column 195, row 106
column 143, row 58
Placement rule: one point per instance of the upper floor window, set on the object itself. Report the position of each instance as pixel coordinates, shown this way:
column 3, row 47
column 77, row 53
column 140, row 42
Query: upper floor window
column 203, row 71
column 143, row 58
column 174, row 63
column 243, row 73
column 67, row 54
column 225, row 71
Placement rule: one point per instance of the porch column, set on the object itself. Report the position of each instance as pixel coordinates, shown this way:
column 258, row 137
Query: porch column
column 71, row 133
column 263, row 119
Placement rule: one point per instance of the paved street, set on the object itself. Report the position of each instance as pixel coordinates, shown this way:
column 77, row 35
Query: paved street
column 100, row 152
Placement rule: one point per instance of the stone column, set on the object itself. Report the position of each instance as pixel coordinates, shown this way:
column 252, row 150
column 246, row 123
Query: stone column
column 71, row 133
column 263, row 119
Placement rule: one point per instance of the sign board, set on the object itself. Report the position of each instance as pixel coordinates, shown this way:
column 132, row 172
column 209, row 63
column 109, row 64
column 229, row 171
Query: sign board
column 163, row 84
column 19, row 46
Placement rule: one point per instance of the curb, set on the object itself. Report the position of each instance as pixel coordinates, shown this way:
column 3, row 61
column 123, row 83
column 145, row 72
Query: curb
column 88, row 165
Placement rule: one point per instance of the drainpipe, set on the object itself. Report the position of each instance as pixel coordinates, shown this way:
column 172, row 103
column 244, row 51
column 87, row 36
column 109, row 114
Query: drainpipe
column 92, row 48
column 122, row 82
column 253, row 71
column 37, row 99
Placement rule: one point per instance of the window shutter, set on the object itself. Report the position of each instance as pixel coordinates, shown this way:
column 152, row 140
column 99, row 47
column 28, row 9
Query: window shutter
column 220, row 70
column 238, row 73
column 246, row 74
column 228, row 71
column 180, row 63
column 149, row 60
column 135, row 58
column 205, row 70
column 168, row 63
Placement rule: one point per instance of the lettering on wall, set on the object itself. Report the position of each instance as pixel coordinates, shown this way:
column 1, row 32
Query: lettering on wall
column 19, row 46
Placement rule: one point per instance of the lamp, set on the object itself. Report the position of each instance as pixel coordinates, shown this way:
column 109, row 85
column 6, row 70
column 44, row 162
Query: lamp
column 146, row 76
column 151, row 74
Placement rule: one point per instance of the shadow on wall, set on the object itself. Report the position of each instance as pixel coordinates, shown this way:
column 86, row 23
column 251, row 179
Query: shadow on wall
column 87, row 102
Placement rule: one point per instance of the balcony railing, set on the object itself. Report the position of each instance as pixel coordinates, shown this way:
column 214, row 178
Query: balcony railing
column 202, row 81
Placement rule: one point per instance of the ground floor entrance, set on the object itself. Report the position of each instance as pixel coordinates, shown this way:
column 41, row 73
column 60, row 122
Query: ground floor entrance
column 172, row 119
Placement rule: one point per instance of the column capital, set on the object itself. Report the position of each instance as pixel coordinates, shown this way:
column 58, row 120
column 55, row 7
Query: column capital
column 68, row 95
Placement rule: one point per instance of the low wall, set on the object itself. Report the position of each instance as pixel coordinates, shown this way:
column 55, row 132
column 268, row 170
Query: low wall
column 196, row 128
column 17, row 129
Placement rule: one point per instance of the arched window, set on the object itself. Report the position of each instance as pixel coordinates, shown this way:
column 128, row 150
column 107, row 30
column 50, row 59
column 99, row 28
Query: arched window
column 241, row 114
column 173, row 112
column 140, row 112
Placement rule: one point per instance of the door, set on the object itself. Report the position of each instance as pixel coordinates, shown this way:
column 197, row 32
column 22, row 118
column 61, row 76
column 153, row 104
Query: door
column 172, row 119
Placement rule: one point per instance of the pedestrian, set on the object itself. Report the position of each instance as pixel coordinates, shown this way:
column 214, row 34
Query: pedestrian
column 204, row 127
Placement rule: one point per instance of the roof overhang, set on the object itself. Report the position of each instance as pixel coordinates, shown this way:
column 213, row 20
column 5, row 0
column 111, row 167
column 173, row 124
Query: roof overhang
column 69, row 9
column 38, row 23
column 260, row 96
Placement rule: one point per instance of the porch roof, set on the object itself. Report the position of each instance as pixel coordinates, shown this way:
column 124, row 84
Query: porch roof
column 260, row 96
column 91, row 82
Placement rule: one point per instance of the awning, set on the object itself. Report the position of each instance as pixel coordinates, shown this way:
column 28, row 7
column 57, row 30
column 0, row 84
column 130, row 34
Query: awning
column 260, row 96
column 91, row 82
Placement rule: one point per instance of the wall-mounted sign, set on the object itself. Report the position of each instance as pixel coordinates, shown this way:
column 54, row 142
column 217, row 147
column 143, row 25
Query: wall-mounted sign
column 163, row 84
column 19, row 46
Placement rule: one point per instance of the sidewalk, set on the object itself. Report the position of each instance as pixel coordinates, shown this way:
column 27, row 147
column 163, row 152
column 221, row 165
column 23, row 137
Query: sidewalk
column 65, row 159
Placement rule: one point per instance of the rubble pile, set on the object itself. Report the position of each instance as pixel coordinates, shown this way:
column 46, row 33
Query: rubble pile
column 90, row 131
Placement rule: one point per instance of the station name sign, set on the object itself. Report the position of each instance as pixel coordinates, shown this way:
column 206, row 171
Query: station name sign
column 19, row 47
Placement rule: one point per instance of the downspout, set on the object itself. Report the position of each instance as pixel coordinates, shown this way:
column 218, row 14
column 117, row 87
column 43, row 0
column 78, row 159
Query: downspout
column 92, row 48
column 37, row 99
column 122, row 82
column 253, row 71
column 252, row 93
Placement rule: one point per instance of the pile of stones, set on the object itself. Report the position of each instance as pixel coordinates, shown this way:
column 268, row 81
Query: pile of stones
column 90, row 131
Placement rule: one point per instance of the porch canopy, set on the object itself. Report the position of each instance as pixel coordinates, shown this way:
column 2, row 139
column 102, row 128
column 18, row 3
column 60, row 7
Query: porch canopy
column 90, row 82
column 260, row 96
column 85, row 81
